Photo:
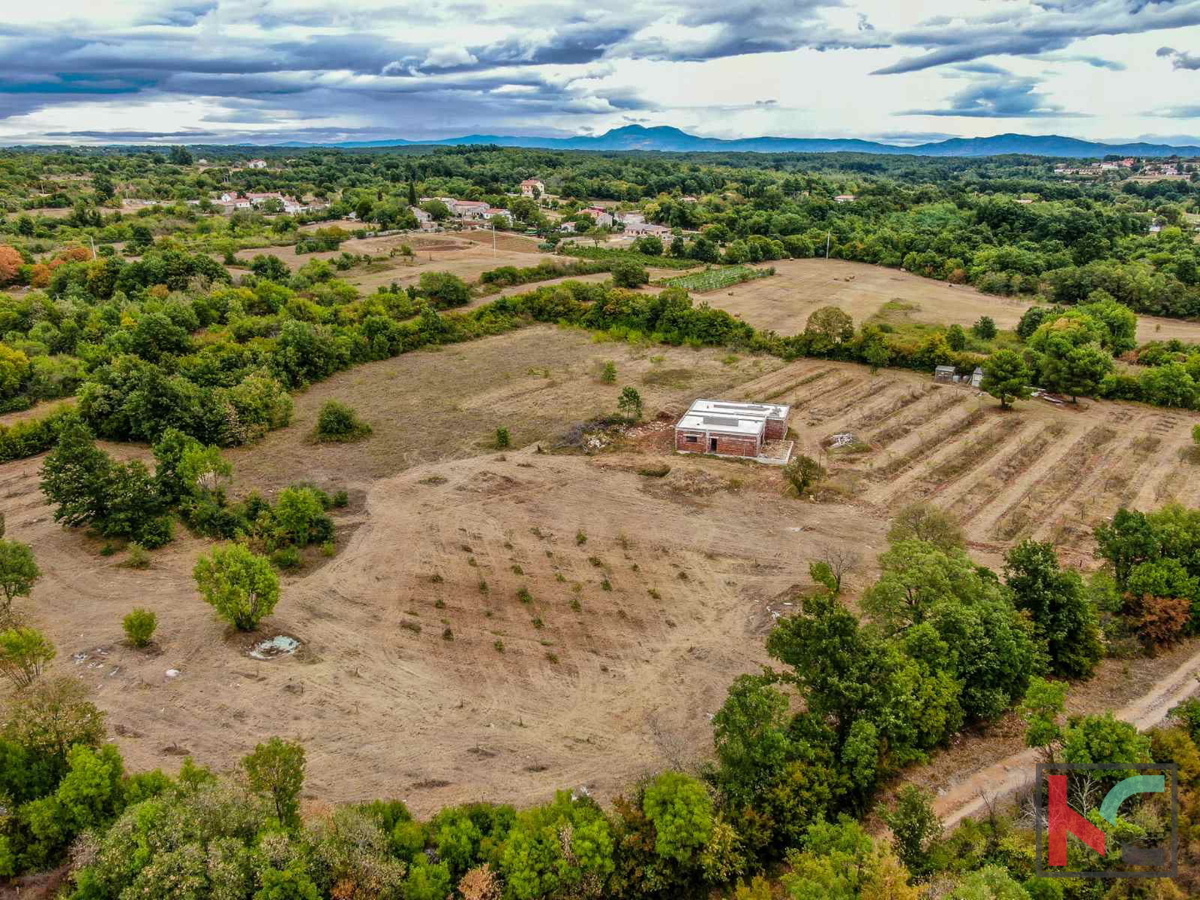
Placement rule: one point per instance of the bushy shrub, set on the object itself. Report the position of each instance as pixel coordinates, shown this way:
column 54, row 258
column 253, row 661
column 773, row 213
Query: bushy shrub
column 139, row 626
column 339, row 422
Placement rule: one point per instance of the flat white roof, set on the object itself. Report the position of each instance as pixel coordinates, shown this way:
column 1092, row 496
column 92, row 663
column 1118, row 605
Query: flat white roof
column 723, row 424
column 744, row 410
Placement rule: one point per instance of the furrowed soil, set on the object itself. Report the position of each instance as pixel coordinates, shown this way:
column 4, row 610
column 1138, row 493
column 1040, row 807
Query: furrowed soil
column 497, row 624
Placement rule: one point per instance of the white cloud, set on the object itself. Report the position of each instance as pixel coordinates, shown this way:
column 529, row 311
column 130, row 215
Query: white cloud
column 449, row 56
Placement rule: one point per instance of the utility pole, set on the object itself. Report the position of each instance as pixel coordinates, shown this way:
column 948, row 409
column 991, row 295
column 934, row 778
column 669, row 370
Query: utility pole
column 493, row 240
column 827, row 236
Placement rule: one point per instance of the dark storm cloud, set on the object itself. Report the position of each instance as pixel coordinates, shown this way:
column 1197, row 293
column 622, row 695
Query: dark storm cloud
column 1014, row 32
column 1180, row 59
column 1004, row 97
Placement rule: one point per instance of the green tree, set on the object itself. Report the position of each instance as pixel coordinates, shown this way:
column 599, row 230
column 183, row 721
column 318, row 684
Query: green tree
column 915, row 827
column 1079, row 371
column 827, row 328
column 240, row 585
column 76, row 476
column 925, row 522
column 55, row 715
column 1006, row 377
column 630, row 403
column 628, row 274
column 1105, row 740
column 270, row 267
column 682, row 813
column 985, row 328
column 802, row 472
column 1043, row 705
column 299, row 518
column 276, row 769
column 554, row 849
column 289, row 884
column 18, row 572
column 1064, row 620
column 989, row 883
column 443, row 289
column 24, row 655
column 956, row 337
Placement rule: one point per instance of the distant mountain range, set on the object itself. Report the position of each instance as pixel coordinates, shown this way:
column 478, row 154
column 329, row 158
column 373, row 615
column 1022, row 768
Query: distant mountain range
column 665, row 138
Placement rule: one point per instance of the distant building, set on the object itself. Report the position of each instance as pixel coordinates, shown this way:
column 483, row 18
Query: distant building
column 531, row 187
column 256, row 164
column 844, row 198
column 599, row 215
column 949, row 375
column 467, row 209
column 730, row 429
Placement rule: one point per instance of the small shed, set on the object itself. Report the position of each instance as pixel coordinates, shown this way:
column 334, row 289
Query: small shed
column 977, row 377
column 944, row 374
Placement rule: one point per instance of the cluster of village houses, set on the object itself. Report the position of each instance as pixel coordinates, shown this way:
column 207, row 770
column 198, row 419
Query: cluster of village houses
column 1151, row 167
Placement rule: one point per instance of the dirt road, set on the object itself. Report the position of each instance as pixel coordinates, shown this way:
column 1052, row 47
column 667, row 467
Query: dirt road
column 1016, row 771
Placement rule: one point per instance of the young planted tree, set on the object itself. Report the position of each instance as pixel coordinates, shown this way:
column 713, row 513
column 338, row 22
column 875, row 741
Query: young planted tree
column 276, row 769
column 630, row 403
column 1006, row 377
column 139, row 627
column 240, row 585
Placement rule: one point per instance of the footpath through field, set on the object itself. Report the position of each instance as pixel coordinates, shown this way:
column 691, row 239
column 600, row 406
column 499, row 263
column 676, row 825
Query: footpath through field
column 970, row 796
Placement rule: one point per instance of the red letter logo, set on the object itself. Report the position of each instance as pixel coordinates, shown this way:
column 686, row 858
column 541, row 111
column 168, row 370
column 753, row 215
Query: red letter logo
column 1063, row 819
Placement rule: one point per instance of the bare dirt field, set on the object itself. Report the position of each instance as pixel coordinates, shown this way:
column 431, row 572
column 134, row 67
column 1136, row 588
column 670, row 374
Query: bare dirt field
column 495, row 625
column 446, row 403
column 784, row 302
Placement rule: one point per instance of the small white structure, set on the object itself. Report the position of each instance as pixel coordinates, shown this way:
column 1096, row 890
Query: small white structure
column 844, row 198
column 256, row 164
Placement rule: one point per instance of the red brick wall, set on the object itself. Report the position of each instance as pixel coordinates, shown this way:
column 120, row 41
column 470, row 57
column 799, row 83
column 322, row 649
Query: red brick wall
column 733, row 446
column 776, row 429
column 726, row 444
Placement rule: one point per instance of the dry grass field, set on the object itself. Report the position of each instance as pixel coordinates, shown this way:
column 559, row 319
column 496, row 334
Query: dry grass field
column 784, row 302
column 495, row 625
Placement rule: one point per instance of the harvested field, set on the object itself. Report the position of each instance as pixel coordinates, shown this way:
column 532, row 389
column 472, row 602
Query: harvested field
column 800, row 286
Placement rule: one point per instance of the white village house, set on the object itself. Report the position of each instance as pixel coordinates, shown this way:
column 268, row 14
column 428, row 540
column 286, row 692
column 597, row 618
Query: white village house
column 531, row 187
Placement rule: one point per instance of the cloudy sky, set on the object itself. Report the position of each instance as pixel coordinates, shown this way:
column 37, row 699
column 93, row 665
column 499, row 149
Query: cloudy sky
column 903, row 71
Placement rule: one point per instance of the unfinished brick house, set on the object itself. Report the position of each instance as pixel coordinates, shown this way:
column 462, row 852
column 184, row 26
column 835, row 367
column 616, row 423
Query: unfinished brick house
column 726, row 428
